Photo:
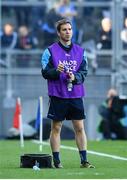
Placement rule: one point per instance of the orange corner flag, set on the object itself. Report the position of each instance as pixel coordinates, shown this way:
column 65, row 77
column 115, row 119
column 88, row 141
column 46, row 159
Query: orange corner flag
column 16, row 121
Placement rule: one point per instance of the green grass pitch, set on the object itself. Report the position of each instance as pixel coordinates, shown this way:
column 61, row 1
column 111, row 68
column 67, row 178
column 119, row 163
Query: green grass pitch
column 106, row 167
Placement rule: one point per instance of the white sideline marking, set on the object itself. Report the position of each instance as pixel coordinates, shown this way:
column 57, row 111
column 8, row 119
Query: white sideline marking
column 90, row 152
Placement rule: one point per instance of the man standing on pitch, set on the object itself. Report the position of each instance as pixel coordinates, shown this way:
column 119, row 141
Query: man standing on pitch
column 64, row 65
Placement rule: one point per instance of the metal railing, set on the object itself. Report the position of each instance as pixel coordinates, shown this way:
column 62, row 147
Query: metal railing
column 12, row 59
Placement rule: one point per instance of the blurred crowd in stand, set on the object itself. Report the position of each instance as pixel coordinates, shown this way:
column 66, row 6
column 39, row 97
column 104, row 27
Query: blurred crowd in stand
column 39, row 22
column 38, row 30
column 33, row 27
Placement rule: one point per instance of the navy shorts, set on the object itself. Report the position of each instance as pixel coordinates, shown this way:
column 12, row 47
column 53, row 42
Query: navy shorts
column 69, row 109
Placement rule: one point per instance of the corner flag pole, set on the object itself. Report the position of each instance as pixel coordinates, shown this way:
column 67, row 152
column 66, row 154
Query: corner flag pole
column 41, row 122
column 20, row 124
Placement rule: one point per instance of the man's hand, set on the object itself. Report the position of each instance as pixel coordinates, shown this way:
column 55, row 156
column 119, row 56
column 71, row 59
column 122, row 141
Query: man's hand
column 71, row 76
column 60, row 67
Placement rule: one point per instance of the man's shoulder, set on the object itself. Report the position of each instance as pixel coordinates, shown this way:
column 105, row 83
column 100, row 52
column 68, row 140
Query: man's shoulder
column 75, row 45
column 53, row 45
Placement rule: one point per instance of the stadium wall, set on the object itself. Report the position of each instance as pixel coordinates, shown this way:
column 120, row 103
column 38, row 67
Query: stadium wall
column 30, row 87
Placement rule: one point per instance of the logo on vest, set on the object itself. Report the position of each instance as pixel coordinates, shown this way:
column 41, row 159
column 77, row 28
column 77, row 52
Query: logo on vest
column 70, row 65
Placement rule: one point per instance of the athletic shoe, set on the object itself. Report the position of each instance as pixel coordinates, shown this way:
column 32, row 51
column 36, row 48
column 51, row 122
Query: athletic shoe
column 86, row 164
column 58, row 165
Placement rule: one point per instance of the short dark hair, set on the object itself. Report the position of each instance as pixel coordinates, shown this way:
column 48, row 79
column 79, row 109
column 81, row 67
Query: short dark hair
column 61, row 22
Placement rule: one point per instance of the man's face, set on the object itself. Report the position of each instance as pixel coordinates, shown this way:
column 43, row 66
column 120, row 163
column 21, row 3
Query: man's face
column 65, row 33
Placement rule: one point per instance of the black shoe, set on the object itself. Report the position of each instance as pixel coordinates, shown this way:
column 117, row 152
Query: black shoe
column 86, row 164
column 58, row 165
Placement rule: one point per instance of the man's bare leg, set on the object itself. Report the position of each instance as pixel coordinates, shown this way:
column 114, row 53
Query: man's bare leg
column 80, row 135
column 55, row 142
column 81, row 141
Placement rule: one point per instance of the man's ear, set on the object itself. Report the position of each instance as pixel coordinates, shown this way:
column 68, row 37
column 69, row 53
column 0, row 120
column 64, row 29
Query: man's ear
column 58, row 34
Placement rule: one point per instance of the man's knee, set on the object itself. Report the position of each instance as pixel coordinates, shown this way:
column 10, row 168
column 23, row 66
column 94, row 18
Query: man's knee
column 79, row 130
column 56, row 128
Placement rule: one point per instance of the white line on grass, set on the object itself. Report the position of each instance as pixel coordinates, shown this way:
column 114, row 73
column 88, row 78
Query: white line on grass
column 90, row 152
